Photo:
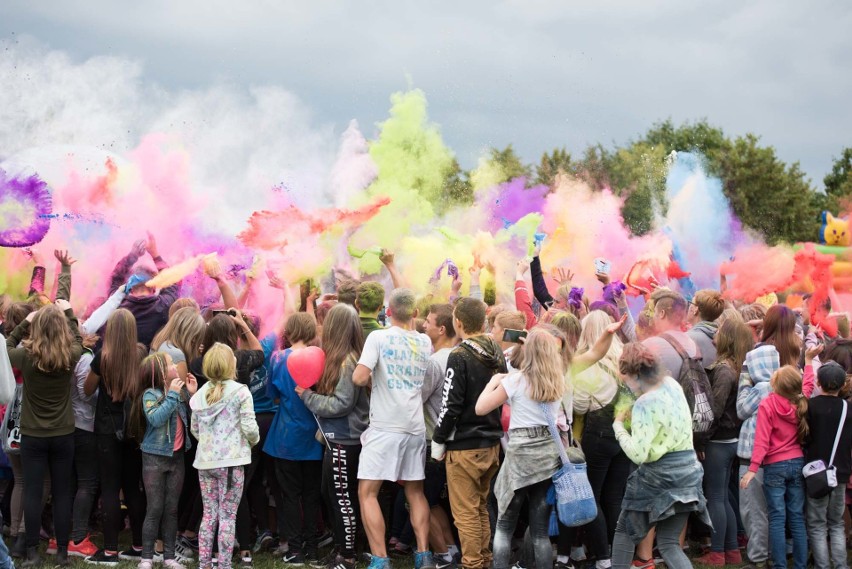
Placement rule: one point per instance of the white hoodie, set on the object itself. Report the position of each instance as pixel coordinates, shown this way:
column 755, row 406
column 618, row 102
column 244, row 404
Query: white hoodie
column 226, row 430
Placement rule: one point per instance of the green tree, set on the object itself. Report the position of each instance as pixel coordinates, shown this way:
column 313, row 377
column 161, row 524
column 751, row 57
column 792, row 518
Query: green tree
column 766, row 194
column 456, row 190
column 552, row 164
column 510, row 163
column 838, row 184
column 699, row 137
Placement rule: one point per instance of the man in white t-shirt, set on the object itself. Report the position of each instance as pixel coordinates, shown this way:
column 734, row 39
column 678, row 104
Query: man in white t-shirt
column 396, row 361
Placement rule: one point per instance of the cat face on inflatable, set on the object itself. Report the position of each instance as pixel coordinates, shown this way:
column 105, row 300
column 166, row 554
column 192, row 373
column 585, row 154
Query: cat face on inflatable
column 835, row 230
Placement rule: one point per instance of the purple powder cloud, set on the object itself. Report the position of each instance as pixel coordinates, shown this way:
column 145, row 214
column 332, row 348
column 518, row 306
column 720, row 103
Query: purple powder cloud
column 25, row 210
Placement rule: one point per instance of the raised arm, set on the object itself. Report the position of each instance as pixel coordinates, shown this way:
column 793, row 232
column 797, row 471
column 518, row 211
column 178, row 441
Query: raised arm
column 99, row 317
column 389, row 262
column 121, row 271
column 599, row 350
column 539, row 286
column 522, row 295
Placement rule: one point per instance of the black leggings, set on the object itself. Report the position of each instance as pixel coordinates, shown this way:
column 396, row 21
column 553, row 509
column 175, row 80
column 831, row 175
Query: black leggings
column 254, row 494
column 301, row 483
column 86, row 470
column 38, row 456
column 120, row 465
column 340, row 486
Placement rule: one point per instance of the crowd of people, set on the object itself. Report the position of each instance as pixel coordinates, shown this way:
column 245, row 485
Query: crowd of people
column 430, row 431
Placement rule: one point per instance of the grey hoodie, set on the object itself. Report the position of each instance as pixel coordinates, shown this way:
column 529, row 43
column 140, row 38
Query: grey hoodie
column 702, row 334
column 227, row 429
column 344, row 414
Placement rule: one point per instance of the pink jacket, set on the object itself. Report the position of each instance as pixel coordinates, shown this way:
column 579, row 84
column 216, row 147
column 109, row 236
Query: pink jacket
column 775, row 439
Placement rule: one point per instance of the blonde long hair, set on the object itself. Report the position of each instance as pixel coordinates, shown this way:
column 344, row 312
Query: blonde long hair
column 185, row 330
column 219, row 365
column 50, row 341
column 543, row 366
column 594, row 326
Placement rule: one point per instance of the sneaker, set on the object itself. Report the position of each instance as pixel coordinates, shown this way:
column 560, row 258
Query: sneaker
column 179, row 555
column 173, row 564
column 340, row 563
column 264, row 542
column 712, row 558
column 639, row 564
column 325, row 540
column 733, row 557
column 190, row 543
column 130, row 555
column 742, row 541
column 441, row 563
column 281, row 550
column 183, row 549
column 101, row 557
column 518, row 565
column 84, row 548
column 379, row 563
column 246, row 562
column 561, row 565
column 295, row 558
column 325, row 560
column 145, row 564
column 51, row 547
column 424, row 560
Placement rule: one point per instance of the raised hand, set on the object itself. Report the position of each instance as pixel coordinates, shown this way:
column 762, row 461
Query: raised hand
column 64, row 258
column 562, row 275
column 151, row 246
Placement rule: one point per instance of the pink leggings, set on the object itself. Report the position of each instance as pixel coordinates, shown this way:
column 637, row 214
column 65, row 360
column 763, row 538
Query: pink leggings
column 221, row 491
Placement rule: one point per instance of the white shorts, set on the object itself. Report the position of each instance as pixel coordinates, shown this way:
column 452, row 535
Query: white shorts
column 391, row 456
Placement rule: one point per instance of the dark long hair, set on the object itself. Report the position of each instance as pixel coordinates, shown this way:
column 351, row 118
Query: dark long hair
column 342, row 342
column 119, row 355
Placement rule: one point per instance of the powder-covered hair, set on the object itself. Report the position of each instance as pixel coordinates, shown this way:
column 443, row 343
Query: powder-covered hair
column 636, row 359
column 219, row 365
column 543, row 366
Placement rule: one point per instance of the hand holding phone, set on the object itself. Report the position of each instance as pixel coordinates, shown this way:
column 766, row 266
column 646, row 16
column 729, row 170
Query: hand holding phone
column 602, row 266
column 514, row 336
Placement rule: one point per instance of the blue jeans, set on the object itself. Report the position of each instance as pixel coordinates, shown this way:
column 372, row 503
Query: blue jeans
column 784, row 488
column 5, row 560
column 718, row 458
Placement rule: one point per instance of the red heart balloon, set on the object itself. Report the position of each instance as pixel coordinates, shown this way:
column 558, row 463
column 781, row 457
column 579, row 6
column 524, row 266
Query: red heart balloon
column 306, row 365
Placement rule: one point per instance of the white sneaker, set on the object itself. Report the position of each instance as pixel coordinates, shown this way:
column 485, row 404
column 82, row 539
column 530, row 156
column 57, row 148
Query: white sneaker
column 173, row 564
column 145, row 564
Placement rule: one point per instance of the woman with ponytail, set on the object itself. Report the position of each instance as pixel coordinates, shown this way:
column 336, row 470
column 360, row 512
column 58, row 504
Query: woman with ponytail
column 782, row 427
column 223, row 421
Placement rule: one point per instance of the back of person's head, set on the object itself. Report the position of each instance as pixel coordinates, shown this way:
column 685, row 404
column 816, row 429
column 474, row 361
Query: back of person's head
column 779, row 330
column 733, row 341
column 402, row 304
column 443, row 318
column 369, row 297
column 640, row 362
column 594, row 326
column 839, row 351
column 842, row 325
column 144, row 273
column 153, row 371
column 252, row 320
column 565, row 351
column 730, row 314
column 543, row 366
column 709, row 303
column 219, row 365
column 222, row 329
column 470, row 313
column 787, row 383
column 301, row 327
column 184, row 330
column 511, row 320
column 347, row 291
column 342, row 341
column 50, row 340
column 494, row 311
column 570, row 325
column 753, row 311
column 119, row 355
column 645, row 324
column 16, row 313
column 183, row 302
column 831, row 377
column 670, row 309
column 323, row 310
column 605, row 307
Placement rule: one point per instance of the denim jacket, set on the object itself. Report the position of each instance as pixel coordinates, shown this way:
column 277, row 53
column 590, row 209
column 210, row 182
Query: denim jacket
column 162, row 422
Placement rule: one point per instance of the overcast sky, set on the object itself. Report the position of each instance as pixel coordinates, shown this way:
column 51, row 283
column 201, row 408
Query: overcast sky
column 534, row 73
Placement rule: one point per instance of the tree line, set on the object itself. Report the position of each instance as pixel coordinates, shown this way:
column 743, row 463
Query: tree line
column 772, row 197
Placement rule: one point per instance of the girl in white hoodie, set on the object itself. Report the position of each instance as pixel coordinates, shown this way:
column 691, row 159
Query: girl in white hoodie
column 220, row 409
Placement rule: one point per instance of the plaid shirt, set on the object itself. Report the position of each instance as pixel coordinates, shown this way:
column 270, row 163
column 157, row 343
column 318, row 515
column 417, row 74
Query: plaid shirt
column 759, row 365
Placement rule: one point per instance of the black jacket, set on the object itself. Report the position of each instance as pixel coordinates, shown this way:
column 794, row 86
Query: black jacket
column 723, row 382
column 823, row 418
column 470, row 367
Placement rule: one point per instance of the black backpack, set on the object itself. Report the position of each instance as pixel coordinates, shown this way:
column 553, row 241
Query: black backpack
column 696, row 387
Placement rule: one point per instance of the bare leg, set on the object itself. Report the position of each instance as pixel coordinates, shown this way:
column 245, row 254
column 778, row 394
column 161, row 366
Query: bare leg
column 371, row 516
column 419, row 512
